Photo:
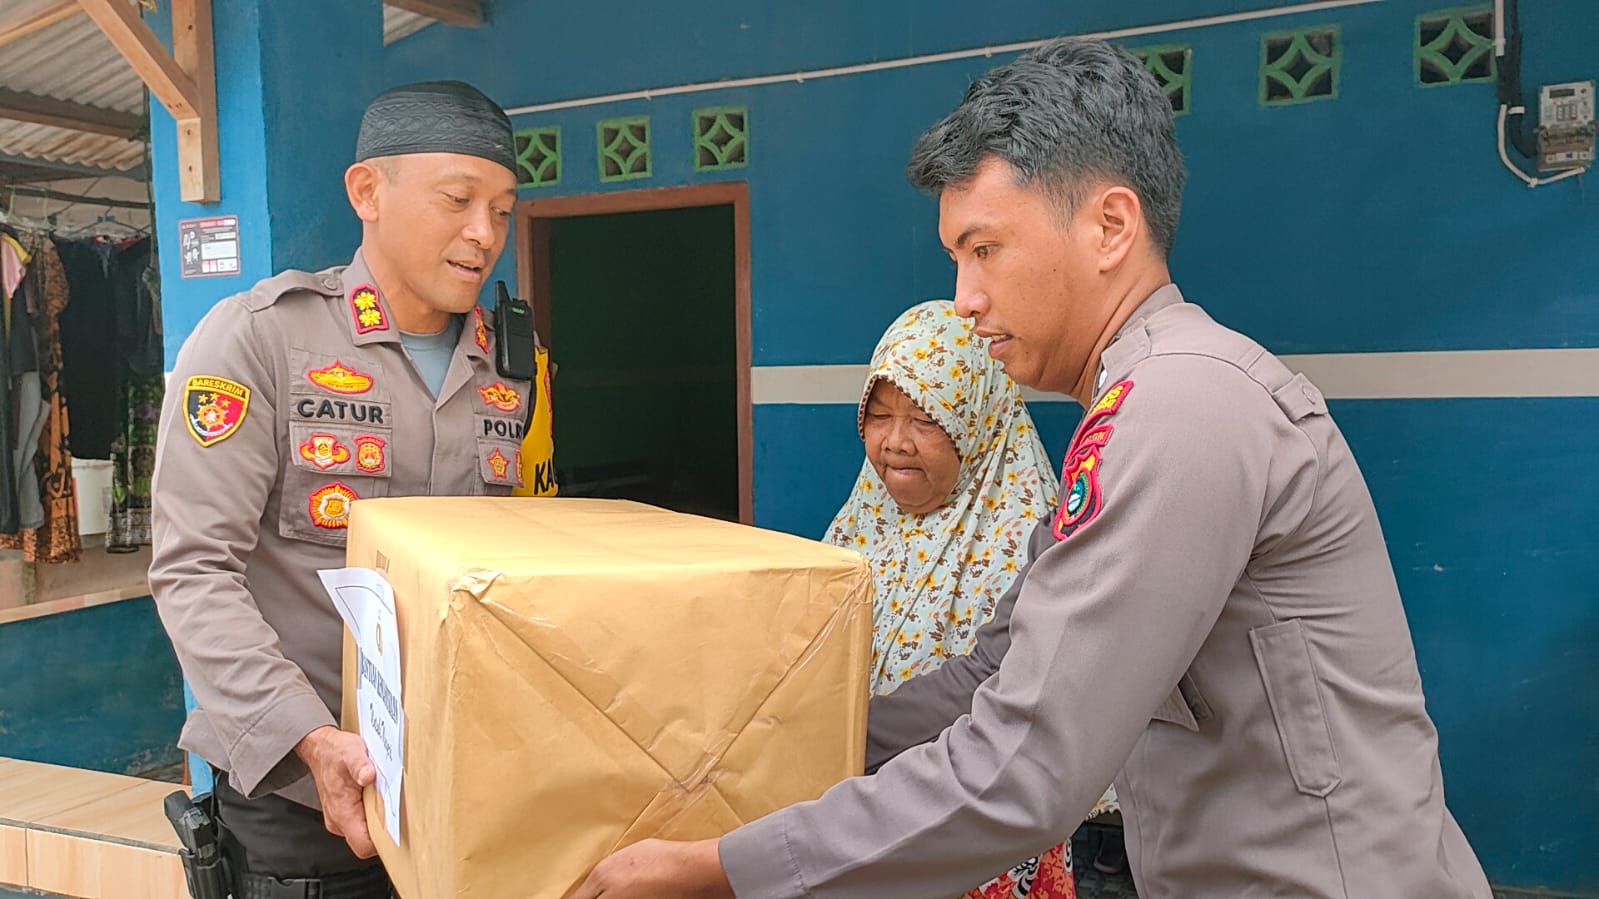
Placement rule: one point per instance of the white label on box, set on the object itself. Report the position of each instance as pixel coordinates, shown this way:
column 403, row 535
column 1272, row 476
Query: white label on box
column 366, row 603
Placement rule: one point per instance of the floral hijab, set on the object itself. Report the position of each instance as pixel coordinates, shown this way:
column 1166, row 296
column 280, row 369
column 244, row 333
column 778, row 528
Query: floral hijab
column 938, row 576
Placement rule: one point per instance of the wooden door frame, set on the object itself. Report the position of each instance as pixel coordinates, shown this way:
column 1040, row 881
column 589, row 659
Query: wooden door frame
column 533, row 219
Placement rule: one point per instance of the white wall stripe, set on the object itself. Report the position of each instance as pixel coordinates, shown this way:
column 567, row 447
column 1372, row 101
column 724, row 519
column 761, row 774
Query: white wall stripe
column 1457, row 374
column 778, row 384
column 931, row 58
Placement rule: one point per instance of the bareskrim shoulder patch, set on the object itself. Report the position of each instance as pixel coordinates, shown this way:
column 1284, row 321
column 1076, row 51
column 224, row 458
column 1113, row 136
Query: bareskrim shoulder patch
column 214, row 407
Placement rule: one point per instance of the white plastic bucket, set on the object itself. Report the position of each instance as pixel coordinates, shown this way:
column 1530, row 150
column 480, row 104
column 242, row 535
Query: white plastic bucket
column 92, row 482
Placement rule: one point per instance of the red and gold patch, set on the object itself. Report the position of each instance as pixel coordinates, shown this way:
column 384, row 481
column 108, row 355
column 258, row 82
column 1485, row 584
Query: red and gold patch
column 330, row 506
column 498, row 463
column 215, row 408
column 368, row 310
column 518, row 468
column 370, row 456
column 480, row 331
column 501, row 396
column 324, row 451
column 1081, row 499
column 340, row 379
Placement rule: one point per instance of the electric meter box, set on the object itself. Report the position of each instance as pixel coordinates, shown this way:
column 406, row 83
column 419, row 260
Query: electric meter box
column 1566, row 126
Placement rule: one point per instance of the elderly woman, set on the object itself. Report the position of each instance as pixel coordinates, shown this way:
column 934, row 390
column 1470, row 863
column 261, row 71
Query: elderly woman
column 954, row 481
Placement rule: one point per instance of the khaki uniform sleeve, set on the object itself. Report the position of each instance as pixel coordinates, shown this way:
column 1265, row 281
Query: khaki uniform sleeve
column 208, row 505
column 1104, row 625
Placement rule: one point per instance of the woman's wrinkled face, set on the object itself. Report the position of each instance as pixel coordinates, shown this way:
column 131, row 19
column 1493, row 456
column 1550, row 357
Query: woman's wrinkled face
column 915, row 458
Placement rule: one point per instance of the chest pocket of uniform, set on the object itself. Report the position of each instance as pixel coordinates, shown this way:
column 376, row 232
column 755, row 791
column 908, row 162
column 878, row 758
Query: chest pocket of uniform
column 499, row 429
column 500, row 460
column 338, row 448
column 1294, row 694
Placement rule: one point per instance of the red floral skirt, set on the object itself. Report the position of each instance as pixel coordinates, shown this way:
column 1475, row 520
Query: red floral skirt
column 1047, row 877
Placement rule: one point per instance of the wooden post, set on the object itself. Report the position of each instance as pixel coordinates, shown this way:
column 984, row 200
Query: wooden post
column 184, row 81
column 201, row 176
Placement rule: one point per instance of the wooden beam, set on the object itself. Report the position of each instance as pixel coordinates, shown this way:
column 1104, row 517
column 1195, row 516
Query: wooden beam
column 120, row 22
column 465, row 13
column 192, row 49
column 26, row 168
column 45, row 193
column 184, row 81
column 44, row 18
column 39, row 110
column 22, row 173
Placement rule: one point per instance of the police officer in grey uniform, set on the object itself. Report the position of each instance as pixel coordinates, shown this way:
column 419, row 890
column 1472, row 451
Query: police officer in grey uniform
column 289, row 403
column 1211, row 617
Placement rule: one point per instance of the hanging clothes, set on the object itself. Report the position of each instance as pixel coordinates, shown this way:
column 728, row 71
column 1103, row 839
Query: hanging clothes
column 133, row 465
column 28, row 409
column 10, row 508
column 136, row 284
column 92, row 379
column 110, row 335
column 44, row 289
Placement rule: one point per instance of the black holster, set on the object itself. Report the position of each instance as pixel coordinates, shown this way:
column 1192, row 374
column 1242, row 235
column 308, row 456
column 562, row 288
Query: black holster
column 204, row 867
column 214, row 863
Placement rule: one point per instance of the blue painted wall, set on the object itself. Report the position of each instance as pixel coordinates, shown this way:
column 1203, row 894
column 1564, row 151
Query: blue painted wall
column 96, row 688
column 1381, row 220
column 1488, row 508
column 243, row 145
column 286, row 134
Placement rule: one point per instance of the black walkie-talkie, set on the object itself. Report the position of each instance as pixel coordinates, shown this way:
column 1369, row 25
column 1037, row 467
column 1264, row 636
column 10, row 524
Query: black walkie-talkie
column 516, row 353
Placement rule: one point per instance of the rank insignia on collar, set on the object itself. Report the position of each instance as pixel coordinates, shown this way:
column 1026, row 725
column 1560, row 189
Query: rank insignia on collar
column 368, row 310
column 214, row 408
column 1081, row 499
column 480, row 331
column 501, row 396
column 330, row 506
column 370, row 455
column 339, row 378
column 324, row 451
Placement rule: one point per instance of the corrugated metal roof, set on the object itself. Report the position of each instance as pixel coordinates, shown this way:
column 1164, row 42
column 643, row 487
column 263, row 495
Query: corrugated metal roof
column 64, row 145
column 71, row 60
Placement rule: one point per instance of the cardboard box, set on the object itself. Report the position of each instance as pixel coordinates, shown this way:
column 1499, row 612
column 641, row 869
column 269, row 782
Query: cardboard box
column 578, row 675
